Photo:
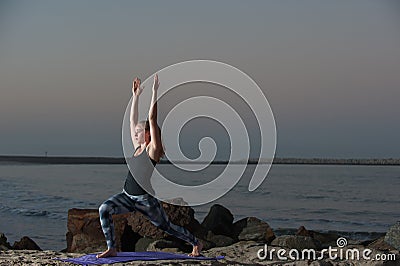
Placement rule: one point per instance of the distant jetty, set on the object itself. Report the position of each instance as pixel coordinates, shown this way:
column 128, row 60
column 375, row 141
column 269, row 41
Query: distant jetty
column 119, row 160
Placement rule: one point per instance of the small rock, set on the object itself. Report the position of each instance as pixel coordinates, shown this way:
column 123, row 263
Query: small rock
column 207, row 244
column 252, row 228
column 380, row 244
column 325, row 239
column 172, row 250
column 26, row 243
column 177, row 201
column 143, row 243
column 302, row 231
column 4, row 245
column 296, row 242
column 162, row 244
column 220, row 240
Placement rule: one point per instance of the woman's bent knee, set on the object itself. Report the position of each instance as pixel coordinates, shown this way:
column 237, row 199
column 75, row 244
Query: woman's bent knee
column 104, row 208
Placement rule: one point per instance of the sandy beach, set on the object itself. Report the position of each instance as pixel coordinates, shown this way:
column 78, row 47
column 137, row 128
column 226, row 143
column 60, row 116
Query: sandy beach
column 241, row 253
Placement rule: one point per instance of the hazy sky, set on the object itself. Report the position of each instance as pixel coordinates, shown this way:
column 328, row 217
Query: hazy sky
column 330, row 70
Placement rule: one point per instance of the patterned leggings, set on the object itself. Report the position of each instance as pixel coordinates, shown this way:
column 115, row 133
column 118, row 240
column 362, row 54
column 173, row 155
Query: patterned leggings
column 148, row 206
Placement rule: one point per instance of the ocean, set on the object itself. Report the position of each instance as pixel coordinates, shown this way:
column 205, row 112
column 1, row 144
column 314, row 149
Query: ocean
column 351, row 199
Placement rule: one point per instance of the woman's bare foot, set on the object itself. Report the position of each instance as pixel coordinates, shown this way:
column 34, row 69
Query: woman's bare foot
column 196, row 250
column 111, row 252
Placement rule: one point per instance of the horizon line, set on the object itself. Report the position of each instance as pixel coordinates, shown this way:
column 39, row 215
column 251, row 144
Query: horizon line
column 121, row 160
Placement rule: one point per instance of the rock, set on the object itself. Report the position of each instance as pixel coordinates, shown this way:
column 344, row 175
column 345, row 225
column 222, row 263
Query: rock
column 197, row 229
column 26, row 243
column 168, row 246
column 177, row 201
column 129, row 239
column 302, row 231
column 325, row 239
column 173, row 250
column 85, row 234
column 4, row 245
column 219, row 220
column 179, row 215
column 392, row 236
column 207, row 244
column 252, row 228
column 143, row 243
column 296, row 242
column 220, row 240
column 380, row 244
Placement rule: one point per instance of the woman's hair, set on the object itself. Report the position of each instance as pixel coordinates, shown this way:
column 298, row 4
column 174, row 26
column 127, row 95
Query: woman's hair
column 146, row 125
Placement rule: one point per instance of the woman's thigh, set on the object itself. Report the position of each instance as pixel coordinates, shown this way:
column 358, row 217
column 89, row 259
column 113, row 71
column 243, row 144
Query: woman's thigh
column 119, row 203
column 152, row 209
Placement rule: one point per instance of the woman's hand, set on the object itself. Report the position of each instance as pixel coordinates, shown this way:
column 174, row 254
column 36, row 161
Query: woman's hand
column 156, row 83
column 136, row 89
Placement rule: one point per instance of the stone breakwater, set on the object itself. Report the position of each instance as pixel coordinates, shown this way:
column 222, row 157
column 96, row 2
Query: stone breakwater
column 240, row 242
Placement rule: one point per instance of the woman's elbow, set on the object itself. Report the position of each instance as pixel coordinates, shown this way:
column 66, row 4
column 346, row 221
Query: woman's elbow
column 152, row 117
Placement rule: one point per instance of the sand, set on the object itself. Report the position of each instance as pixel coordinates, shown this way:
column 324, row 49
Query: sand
column 240, row 253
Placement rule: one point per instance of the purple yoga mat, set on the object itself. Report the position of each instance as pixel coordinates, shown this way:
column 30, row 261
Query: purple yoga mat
column 134, row 256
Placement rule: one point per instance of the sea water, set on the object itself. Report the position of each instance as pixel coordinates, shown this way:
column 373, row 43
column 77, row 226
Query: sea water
column 35, row 198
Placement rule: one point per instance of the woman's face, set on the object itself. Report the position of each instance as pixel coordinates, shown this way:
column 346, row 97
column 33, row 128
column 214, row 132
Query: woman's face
column 140, row 134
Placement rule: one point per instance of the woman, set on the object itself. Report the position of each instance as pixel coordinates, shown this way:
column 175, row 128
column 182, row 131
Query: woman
column 146, row 138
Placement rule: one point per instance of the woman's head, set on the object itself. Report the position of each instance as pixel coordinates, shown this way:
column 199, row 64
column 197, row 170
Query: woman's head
column 142, row 133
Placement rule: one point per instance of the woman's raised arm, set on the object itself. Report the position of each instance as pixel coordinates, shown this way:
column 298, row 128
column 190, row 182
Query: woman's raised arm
column 136, row 91
column 155, row 133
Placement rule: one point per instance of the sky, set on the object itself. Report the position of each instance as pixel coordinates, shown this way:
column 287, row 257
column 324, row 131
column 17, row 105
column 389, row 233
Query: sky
column 329, row 69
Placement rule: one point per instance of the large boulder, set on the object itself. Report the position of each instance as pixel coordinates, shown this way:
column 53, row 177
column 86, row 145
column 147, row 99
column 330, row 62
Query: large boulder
column 392, row 236
column 85, row 234
column 219, row 220
column 26, row 243
column 197, row 229
column 252, row 228
column 179, row 215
